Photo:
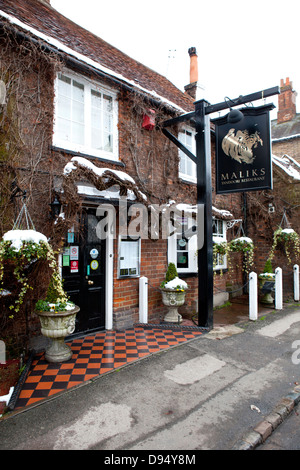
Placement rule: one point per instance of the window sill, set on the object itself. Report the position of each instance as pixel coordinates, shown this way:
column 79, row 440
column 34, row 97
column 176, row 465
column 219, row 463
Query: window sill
column 221, row 271
column 184, row 275
column 134, row 276
column 85, row 155
column 186, row 181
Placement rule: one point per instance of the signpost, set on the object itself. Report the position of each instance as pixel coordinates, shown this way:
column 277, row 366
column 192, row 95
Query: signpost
column 200, row 119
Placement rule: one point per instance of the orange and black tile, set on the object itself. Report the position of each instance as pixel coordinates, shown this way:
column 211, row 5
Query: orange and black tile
column 95, row 355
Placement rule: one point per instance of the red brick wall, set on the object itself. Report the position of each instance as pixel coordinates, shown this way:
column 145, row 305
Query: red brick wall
column 149, row 157
column 289, row 147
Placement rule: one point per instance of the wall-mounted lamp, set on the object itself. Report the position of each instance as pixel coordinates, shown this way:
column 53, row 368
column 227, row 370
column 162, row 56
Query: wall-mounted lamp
column 271, row 208
column 55, row 208
column 16, row 191
column 235, row 115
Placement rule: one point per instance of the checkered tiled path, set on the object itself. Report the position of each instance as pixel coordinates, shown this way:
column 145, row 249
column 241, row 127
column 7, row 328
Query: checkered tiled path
column 94, row 355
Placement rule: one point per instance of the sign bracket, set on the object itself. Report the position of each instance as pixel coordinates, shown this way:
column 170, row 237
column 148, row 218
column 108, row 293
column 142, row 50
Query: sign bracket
column 200, row 119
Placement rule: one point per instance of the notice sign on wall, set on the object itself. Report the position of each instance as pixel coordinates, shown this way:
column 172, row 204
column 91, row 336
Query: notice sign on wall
column 74, row 267
column 243, row 151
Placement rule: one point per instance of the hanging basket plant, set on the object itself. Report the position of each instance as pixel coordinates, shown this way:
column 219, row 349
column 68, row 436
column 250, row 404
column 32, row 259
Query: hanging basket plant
column 220, row 248
column 20, row 250
column 241, row 244
column 288, row 240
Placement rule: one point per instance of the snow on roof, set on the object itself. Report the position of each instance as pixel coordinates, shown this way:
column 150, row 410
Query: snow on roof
column 101, row 173
column 192, row 209
column 60, row 46
column 287, row 164
column 288, row 137
column 95, row 169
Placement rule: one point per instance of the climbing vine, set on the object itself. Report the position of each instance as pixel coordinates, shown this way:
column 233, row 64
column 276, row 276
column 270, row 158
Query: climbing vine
column 26, row 70
column 154, row 163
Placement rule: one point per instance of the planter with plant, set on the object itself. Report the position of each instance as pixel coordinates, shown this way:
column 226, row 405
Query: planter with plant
column 173, row 291
column 267, row 283
column 57, row 316
column 20, row 250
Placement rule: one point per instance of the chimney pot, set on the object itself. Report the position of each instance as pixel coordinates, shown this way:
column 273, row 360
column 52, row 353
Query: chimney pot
column 192, row 51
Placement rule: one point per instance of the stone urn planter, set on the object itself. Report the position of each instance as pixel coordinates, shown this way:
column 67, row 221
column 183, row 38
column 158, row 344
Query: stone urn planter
column 267, row 286
column 173, row 292
column 173, row 300
column 56, row 326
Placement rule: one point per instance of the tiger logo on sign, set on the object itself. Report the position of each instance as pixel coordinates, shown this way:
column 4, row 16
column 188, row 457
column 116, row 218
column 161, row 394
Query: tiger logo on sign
column 239, row 145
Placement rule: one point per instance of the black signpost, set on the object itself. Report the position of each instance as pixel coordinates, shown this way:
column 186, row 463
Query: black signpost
column 200, row 119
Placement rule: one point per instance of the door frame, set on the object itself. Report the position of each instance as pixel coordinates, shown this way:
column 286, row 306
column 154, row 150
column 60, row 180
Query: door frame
column 109, row 273
column 109, row 267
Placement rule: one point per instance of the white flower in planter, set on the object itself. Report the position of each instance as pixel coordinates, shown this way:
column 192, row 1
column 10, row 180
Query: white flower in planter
column 176, row 284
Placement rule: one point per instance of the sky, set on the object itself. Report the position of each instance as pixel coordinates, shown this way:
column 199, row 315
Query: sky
column 242, row 46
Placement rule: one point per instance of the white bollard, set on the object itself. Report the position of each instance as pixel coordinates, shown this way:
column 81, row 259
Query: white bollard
column 143, row 299
column 296, row 283
column 253, row 299
column 278, row 289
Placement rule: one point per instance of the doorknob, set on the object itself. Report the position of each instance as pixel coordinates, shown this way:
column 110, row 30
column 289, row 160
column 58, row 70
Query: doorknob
column 90, row 283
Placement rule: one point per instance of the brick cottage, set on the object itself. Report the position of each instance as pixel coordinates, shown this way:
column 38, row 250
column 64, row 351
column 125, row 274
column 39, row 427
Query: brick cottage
column 81, row 126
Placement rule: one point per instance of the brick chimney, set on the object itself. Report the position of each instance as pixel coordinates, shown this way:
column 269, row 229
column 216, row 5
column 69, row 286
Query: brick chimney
column 193, row 88
column 286, row 102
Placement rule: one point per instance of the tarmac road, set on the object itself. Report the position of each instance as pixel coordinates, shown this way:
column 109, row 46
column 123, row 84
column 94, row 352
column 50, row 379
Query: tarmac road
column 208, row 394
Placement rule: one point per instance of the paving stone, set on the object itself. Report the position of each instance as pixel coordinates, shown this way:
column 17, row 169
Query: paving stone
column 242, row 445
column 274, row 419
column 253, row 438
column 288, row 402
column 264, row 428
column 295, row 396
column 282, row 410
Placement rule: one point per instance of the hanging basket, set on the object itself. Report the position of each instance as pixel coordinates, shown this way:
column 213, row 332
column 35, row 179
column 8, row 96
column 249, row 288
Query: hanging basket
column 20, row 249
column 288, row 240
column 243, row 244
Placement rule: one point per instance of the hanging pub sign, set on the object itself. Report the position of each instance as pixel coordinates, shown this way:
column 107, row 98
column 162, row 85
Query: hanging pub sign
column 243, row 150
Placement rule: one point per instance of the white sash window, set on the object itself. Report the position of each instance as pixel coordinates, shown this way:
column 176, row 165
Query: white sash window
column 86, row 117
column 187, row 168
column 182, row 251
column 220, row 235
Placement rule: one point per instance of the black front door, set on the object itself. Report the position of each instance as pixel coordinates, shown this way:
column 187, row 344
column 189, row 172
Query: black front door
column 83, row 270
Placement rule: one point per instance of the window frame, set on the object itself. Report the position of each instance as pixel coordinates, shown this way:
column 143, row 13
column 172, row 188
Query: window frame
column 86, row 147
column 186, row 176
column 220, row 237
column 192, row 250
column 123, row 238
